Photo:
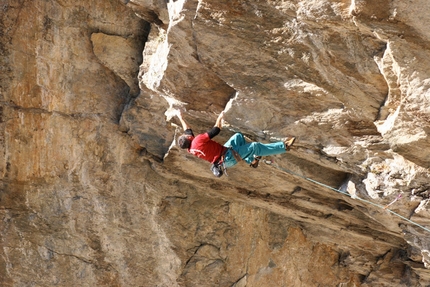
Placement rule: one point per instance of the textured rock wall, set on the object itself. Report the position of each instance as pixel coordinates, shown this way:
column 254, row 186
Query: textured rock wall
column 94, row 193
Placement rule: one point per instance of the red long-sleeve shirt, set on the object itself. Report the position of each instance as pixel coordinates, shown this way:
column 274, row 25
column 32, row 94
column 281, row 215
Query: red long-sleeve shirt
column 204, row 147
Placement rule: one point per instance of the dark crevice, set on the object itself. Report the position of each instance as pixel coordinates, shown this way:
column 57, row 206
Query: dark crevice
column 342, row 205
column 131, row 90
column 240, row 279
column 192, row 258
column 33, row 110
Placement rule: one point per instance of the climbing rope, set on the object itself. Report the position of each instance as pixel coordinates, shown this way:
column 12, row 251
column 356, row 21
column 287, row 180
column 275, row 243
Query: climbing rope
column 347, row 194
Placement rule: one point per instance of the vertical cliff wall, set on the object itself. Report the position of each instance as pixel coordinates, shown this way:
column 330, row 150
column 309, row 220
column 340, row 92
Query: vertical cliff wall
column 94, row 191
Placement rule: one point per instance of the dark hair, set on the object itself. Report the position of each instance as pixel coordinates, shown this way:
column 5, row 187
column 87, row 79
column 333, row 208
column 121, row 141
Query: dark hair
column 184, row 141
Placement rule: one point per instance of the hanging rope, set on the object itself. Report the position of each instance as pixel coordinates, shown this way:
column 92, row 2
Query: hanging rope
column 352, row 196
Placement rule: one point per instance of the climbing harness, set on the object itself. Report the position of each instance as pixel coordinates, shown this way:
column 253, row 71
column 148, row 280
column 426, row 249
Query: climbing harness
column 224, row 168
column 272, row 163
column 221, row 161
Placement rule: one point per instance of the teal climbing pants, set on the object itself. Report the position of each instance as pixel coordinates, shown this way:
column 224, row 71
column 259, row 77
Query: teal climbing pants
column 247, row 151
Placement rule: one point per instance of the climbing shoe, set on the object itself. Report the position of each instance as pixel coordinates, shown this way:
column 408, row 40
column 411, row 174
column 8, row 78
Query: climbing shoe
column 255, row 162
column 289, row 142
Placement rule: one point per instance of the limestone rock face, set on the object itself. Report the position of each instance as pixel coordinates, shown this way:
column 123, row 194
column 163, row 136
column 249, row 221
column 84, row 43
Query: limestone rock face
column 94, row 191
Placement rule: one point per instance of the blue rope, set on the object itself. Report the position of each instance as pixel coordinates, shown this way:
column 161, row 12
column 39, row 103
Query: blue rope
column 353, row 197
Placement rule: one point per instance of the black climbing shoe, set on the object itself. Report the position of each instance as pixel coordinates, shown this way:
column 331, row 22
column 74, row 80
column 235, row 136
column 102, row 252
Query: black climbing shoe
column 255, row 162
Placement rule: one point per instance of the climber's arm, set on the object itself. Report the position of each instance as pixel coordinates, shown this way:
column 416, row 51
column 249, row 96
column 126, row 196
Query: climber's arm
column 217, row 127
column 184, row 124
column 218, row 122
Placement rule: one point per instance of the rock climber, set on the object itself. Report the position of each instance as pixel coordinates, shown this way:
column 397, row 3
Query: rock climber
column 233, row 151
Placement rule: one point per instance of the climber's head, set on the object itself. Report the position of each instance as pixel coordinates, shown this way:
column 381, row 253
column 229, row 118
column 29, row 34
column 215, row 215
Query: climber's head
column 184, row 141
